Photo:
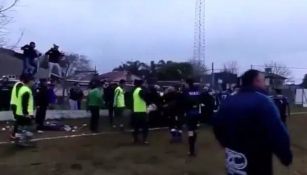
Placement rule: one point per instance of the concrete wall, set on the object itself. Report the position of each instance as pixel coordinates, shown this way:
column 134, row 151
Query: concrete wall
column 57, row 114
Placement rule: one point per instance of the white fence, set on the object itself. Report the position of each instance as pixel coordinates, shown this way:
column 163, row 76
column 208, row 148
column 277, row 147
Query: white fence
column 56, row 114
column 301, row 97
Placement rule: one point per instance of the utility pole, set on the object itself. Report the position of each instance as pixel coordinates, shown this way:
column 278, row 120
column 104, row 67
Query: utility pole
column 212, row 76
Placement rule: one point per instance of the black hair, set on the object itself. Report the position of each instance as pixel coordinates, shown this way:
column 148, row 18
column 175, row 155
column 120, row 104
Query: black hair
column 278, row 91
column 190, row 81
column 138, row 82
column 122, row 81
column 26, row 78
column 247, row 79
column 32, row 42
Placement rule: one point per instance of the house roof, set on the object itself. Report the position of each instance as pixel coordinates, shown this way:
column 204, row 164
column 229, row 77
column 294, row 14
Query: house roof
column 118, row 75
column 225, row 76
column 275, row 76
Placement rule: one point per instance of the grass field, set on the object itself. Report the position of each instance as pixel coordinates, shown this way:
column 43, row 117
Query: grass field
column 112, row 154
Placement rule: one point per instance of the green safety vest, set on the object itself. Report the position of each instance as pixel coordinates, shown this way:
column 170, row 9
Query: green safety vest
column 139, row 105
column 119, row 98
column 14, row 94
column 23, row 90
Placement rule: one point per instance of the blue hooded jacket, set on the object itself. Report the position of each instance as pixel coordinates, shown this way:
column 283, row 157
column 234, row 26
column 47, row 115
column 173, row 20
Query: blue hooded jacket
column 249, row 127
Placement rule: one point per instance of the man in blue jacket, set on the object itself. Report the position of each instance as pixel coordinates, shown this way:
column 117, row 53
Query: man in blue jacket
column 250, row 129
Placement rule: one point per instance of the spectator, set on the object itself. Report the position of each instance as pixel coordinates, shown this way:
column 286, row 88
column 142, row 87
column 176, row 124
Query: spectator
column 94, row 103
column 29, row 62
column 54, row 58
column 5, row 94
column 75, row 97
column 282, row 105
column 109, row 99
column 52, row 98
column 42, row 102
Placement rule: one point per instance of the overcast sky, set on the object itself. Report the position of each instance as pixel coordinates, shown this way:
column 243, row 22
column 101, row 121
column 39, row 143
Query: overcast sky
column 113, row 31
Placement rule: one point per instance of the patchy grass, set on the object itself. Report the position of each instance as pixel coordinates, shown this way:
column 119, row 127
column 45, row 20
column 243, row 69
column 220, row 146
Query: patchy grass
column 114, row 155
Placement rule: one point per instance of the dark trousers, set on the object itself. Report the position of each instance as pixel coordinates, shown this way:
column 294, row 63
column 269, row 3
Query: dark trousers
column 192, row 120
column 13, row 107
column 21, row 121
column 40, row 117
column 94, row 118
column 139, row 121
column 119, row 116
column 111, row 113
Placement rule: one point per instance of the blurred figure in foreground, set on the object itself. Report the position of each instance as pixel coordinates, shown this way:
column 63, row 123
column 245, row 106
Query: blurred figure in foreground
column 248, row 126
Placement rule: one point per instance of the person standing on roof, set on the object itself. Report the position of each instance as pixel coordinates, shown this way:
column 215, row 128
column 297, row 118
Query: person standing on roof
column 249, row 128
column 29, row 62
column 119, row 104
column 54, row 58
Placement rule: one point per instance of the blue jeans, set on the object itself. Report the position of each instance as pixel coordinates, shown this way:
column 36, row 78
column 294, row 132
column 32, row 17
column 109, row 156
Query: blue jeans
column 29, row 66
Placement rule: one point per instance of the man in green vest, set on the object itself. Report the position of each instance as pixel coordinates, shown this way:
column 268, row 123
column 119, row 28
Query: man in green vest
column 24, row 111
column 94, row 103
column 139, row 116
column 13, row 102
column 119, row 104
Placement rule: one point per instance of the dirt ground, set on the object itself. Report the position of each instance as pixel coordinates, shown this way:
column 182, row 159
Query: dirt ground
column 112, row 154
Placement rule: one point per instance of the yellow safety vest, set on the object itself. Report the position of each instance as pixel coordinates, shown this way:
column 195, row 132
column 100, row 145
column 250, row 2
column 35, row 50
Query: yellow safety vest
column 119, row 98
column 14, row 93
column 139, row 105
column 23, row 90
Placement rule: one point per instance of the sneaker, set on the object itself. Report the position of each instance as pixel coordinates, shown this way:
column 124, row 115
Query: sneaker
column 145, row 143
column 40, row 132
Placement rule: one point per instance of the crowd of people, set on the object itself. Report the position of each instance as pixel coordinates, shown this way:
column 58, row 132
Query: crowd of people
column 247, row 122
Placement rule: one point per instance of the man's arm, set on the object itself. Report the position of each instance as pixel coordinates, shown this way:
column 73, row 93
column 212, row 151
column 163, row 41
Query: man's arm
column 277, row 133
column 25, row 103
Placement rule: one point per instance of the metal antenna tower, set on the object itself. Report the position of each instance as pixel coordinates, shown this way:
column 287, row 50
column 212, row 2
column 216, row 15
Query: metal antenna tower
column 199, row 33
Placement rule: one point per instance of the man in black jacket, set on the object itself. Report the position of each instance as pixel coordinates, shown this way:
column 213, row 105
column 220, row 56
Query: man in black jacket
column 42, row 102
column 30, row 54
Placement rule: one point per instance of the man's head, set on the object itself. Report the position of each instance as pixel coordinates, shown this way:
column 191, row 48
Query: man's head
column 253, row 78
column 43, row 82
column 278, row 91
column 28, row 80
column 76, row 85
column 138, row 83
column 32, row 44
column 55, row 47
column 122, row 83
column 190, row 82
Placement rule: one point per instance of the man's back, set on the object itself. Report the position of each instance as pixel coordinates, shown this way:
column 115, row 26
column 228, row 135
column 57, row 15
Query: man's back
column 249, row 127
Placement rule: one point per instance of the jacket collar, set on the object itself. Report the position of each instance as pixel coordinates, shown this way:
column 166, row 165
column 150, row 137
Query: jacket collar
column 253, row 89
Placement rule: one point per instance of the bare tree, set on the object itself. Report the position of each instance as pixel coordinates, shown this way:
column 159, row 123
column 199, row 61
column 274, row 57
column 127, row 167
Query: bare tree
column 279, row 69
column 71, row 66
column 231, row 67
column 5, row 19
